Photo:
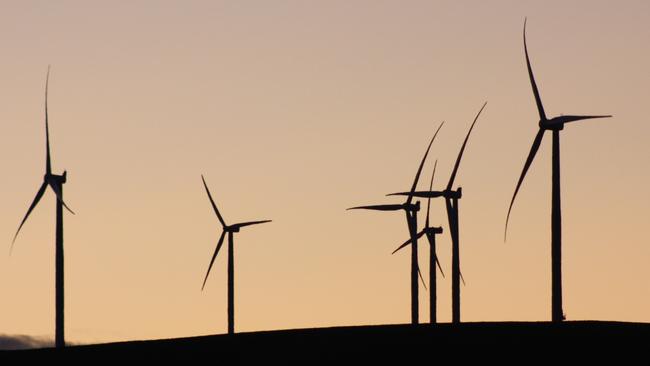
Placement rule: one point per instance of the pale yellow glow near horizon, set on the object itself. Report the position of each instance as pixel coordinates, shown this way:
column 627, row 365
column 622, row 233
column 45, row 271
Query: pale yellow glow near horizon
column 295, row 111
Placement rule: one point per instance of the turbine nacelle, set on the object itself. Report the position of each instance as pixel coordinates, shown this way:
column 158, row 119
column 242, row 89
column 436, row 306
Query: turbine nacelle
column 61, row 179
column 412, row 207
column 551, row 125
column 433, row 230
column 231, row 229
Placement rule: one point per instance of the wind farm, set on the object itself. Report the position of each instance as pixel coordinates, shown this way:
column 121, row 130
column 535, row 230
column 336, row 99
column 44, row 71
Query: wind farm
column 410, row 210
column 297, row 113
column 451, row 197
column 430, row 232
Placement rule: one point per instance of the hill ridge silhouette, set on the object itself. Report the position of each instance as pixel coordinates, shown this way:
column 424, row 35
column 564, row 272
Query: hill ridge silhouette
column 585, row 338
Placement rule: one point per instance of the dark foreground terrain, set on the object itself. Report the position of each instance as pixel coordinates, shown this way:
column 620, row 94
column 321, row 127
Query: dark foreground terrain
column 521, row 342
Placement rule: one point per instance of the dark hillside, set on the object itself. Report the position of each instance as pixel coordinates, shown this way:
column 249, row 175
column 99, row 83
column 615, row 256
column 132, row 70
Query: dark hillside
column 517, row 341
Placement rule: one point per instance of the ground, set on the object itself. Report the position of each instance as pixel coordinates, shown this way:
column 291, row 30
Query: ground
column 517, row 342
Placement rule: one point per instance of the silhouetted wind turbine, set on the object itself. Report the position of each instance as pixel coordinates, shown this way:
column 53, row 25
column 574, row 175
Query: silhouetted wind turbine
column 56, row 183
column 230, row 229
column 451, row 203
column 410, row 211
column 431, row 233
column 555, row 124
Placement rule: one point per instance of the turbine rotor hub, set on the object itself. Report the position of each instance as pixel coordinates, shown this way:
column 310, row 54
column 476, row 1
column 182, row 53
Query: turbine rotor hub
column 413, row 207
column 451, row 194
column 57, row 178
column 434, row 230
column 550, row 125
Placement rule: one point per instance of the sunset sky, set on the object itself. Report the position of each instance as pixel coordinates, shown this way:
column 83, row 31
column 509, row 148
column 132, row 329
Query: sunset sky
column 295, row 111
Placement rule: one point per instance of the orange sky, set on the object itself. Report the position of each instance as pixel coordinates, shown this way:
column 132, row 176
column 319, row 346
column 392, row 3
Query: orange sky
column 294, row 111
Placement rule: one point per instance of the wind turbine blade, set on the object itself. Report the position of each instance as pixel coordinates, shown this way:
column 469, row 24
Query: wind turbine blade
column 48, row 164
column 39, row 194
column 57, row 192
column 462, row 149
column 214, row 206
column 440, row 267
column 249, row 223
column 420, row 194
column 424, row 158
column 538, row 100
column 223, row 235
column 429, row 198
column 422, row 279
column 450, row 217
column 431, row 241
column 567, row 119
column 529, row 161
column 379, row 207
column 408, row 242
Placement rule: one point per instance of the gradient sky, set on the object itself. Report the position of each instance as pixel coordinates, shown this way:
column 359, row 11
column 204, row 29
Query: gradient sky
column 294, row 111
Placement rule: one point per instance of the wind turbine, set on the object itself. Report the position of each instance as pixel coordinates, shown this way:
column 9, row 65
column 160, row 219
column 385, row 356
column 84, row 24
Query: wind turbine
column 410, row 209
column 431, row 233
column 451, row 203
column 56, row 183
column 555, row 125
column 230, row 230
